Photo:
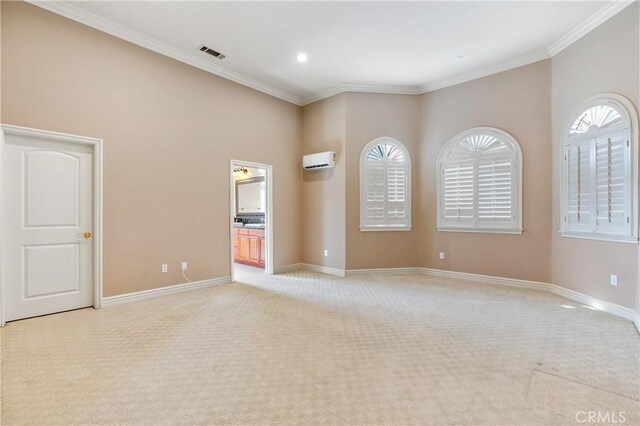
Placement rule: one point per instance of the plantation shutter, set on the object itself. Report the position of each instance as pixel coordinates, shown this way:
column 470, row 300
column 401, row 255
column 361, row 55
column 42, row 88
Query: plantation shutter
column 375, row 189
column 612, row 187
column 385, row 182
column 579, row 197
column 396, row 193
column 457, row 182
column 495, row 193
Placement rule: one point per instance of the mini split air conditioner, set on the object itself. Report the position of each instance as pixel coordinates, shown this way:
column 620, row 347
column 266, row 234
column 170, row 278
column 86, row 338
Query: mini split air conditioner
column 321, row 160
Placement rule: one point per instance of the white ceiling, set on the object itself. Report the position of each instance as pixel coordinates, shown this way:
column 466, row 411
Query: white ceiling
column 406, row 47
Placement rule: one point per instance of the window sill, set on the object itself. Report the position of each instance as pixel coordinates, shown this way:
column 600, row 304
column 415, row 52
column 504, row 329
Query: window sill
column 483, row 230
column 600, row 237
column 385, row 228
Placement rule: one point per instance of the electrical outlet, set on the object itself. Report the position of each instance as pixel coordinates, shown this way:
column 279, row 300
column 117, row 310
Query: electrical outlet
column 441, row 255
column 184, row 266
column 614, row 279
column 326, row 253
column 165, row 268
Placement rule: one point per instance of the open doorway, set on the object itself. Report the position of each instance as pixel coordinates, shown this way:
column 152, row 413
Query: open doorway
column 251, row 219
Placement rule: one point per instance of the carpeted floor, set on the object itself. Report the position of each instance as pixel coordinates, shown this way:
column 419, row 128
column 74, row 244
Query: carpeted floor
column 305, row 349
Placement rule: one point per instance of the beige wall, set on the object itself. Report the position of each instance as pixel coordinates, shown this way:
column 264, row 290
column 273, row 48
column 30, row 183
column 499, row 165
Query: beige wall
column 370, row 116
column 516, row 101
column 323, row 210
column 605, row 60
column 169, row 131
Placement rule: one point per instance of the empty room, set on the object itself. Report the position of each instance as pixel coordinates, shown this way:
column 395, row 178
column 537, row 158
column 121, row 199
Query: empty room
column 319, row 212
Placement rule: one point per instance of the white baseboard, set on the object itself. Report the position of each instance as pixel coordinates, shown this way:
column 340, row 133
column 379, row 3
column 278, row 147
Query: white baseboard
column 601, row 305
column 310, row 268
column 593, row 302
column 585, row 299
column 410, row 270
column 288, row 268
column 323, row 269
column 488, row 279
column 162, row 291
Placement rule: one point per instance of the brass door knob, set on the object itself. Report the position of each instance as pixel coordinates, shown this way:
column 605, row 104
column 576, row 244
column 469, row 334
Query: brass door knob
column 87, row 235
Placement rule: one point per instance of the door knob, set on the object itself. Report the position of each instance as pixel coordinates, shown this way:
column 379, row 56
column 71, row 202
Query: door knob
column 87, row 235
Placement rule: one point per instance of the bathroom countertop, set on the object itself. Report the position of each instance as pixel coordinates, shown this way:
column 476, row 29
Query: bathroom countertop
column 249, row 226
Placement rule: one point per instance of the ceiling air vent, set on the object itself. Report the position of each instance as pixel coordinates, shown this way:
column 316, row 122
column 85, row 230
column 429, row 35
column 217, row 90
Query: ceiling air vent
column 211, row 52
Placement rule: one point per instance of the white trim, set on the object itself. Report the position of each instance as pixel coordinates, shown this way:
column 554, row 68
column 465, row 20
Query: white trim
column 162, row 291
column 599, row 304
column 486, row 279
column 599, row 237
column 602, row 305
column 269, row 269
column 205, row 63
column 429, row 87
column 630, row 113
column 2, row 231
column 96, row 144
column 485, row 72
column 361, row 88
column 517, row 176
column 294, row 267
column 68, row 10
column 483, row 230
column 408, row 270
column 323, row 269
column 593, row 22
column 593, row 302
column 385, row 228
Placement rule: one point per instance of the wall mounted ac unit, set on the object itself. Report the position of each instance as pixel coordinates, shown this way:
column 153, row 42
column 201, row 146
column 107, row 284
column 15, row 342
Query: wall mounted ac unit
column 321, row 160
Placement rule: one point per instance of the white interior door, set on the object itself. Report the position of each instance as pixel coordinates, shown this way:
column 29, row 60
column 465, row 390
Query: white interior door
column 48, row 250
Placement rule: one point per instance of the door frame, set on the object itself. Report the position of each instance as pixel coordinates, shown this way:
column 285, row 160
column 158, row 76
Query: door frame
column 268, row 270
column 49, row 136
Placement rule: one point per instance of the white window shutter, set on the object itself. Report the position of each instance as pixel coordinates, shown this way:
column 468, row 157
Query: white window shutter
column 385, row 185
column 457, row 181
column 480, row 182
column 612, row 184
column 578, row 188
column 396, row 193
column 374, row 196
column 496, row 193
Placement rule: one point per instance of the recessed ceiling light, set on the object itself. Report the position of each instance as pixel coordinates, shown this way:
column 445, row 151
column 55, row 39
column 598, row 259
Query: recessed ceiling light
column 302, row 57
column 462, row 54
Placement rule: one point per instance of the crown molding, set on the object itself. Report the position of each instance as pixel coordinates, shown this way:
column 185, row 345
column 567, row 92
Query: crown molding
column 77, row 14
column 588, row 25
column 430, row 87
column 484, row 72
column 361, row 88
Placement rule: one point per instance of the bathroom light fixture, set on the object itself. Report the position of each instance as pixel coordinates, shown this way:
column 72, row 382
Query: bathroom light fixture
column 302, row 57
column 240, row 172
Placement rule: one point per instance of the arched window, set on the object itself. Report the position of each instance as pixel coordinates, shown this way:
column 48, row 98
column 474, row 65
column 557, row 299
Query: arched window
column 598, row 183
column 385, row 186
column 479, row 182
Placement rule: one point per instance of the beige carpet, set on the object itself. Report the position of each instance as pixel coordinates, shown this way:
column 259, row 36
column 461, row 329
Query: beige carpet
column 307, row 349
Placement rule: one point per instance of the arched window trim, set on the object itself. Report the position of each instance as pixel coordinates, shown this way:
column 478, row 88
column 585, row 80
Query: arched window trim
column 630, row 121
column 363, row 161
column 511, row 142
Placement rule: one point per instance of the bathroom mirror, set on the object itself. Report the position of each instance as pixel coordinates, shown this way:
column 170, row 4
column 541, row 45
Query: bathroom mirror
column 251, row 196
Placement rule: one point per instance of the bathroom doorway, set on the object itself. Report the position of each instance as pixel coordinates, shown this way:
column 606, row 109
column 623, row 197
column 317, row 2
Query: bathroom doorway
column 251, row 211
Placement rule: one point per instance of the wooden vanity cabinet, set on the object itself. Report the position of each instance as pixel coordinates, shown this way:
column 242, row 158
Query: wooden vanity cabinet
column 249, row 246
